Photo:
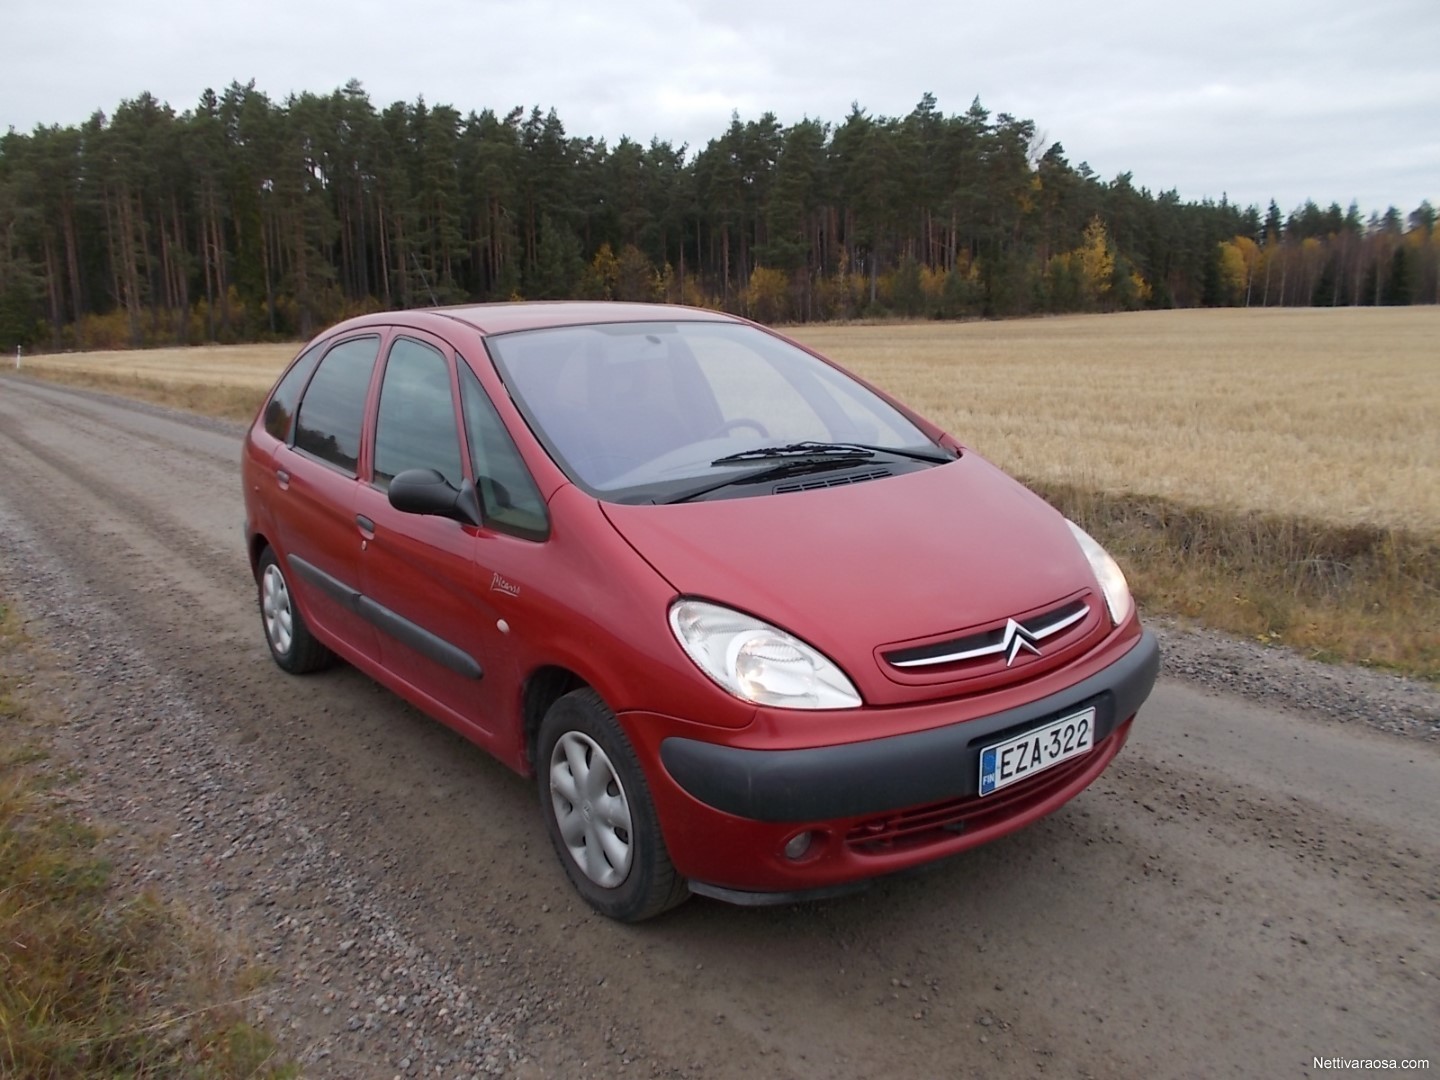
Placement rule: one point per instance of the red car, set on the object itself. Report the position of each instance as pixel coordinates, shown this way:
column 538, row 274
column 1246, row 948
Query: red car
column 758, row 630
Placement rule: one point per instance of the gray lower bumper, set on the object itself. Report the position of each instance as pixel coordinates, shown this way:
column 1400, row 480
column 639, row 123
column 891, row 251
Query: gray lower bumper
column 897, row 772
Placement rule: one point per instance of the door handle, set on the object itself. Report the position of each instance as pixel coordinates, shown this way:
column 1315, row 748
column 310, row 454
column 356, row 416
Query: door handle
column 366, row 526
column 282, row 476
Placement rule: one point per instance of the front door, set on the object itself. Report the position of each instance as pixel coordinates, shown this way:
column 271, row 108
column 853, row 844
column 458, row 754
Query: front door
column 438, row 633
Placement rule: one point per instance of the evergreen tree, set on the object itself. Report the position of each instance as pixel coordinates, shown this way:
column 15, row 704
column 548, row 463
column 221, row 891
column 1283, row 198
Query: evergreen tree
column 558, row 266
column 247, row 217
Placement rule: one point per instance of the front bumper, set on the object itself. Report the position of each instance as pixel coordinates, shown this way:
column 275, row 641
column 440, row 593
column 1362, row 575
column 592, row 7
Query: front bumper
column 877, row 806
column 904, row 770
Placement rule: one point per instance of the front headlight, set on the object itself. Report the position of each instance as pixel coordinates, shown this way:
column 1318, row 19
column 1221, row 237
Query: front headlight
column 756, row 661
column 1107, row 571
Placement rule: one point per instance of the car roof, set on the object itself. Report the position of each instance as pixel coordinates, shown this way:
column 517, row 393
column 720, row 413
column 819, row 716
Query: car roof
column 533, row 315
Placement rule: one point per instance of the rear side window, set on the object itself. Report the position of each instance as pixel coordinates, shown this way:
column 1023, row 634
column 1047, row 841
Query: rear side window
column 333, row 409
column 280, row 410
column 508, row 494
column 415, row 428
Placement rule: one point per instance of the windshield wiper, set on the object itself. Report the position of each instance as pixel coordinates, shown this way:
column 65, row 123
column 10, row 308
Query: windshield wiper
column 797, row 459
column 936, row 455
column 793, row 467
column 796, row 450
column 827, row 451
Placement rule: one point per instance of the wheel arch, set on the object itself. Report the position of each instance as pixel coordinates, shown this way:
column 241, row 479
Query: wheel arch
column 254, row 548
column 544, row 687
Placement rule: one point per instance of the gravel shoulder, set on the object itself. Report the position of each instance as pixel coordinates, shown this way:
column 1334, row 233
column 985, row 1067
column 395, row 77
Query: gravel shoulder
column 1277, row 677
column 1254, row 882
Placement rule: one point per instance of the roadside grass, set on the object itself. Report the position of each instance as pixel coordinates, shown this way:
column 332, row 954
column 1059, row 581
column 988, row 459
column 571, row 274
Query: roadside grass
column 95, row 982
column 1360, row 594
column 1270, row 473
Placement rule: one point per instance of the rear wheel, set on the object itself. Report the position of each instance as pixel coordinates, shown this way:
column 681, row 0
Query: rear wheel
column 291, row 643
column 599, row 813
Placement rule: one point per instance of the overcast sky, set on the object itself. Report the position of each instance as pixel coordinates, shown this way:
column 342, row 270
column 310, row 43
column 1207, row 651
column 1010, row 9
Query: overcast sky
column 1255, row 99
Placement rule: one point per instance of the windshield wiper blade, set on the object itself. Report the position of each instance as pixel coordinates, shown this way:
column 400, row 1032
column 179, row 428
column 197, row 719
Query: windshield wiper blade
column 798, row 450
column 832, row 451
column 936, row 454
column 794, row 467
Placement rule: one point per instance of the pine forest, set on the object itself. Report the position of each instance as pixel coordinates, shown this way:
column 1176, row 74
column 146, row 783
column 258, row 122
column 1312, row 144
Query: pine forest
column 248, row 219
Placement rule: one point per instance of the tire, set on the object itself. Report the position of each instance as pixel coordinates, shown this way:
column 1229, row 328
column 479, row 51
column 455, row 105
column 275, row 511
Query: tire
column 599, row 813
column 291, row 643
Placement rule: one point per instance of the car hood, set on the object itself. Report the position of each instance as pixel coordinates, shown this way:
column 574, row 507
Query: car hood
column 856, row 567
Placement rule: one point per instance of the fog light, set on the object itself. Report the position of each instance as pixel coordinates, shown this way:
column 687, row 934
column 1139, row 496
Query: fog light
column 798, row 845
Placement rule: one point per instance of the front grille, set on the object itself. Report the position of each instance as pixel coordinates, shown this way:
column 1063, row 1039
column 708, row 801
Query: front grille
column 904, row 830
column 1004, row 641
column 831, row 481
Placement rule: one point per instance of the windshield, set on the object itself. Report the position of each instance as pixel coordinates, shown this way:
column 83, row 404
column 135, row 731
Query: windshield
column 634, row 411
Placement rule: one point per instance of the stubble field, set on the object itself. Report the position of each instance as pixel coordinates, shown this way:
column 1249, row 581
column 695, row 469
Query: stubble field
column 1271, row 472
column 1326, row 413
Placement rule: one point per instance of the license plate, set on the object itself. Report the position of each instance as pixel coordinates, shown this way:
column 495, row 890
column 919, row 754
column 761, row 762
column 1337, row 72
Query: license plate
column 1035, row 751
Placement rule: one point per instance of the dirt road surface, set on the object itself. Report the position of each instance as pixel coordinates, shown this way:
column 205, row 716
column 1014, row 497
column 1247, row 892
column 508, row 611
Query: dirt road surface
column 1245, row 890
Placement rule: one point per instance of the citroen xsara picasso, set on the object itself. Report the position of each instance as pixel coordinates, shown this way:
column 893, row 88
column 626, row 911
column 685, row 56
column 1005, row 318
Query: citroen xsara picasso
column 758, row 630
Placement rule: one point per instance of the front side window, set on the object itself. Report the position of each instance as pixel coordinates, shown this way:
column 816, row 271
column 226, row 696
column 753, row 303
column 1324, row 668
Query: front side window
column 415, row 424
column 333, row 409
column 642, row 412
column 508, row 494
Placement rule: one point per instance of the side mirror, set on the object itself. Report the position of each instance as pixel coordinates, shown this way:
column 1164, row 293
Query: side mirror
column 425, row 491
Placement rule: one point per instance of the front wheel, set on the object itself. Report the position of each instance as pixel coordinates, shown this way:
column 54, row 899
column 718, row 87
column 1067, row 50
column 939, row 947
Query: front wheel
column 599, row 814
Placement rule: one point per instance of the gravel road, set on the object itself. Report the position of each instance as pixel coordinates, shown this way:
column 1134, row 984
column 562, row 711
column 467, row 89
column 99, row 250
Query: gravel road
column 1255, row 883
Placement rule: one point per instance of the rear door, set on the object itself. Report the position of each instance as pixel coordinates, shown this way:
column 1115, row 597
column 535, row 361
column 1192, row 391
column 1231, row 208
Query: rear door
column 316, row 478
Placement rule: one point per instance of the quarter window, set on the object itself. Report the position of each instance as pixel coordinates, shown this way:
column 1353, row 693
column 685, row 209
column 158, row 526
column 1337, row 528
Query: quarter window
column 508, row 494
column 333, row 409
column 280, row 409
column 415, row 428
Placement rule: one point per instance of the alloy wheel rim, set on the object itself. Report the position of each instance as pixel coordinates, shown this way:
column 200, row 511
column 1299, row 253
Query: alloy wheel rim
column 275, row 607
column 592, row 809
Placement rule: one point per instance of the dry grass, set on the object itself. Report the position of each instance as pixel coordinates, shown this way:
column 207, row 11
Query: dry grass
column 94, row 982
column 1327, row 414
column 211, row 399
column 1367, row 594
column 1274, row 473
column 249, row 366
column 1268, row 473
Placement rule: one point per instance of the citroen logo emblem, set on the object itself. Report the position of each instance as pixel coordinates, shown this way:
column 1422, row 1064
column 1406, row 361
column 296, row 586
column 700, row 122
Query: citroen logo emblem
column 1016, row 637
column 1013, row 637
